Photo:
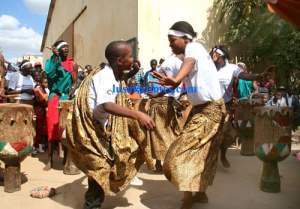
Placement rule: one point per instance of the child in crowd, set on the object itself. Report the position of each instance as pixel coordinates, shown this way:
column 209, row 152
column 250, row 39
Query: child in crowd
column 41, row 98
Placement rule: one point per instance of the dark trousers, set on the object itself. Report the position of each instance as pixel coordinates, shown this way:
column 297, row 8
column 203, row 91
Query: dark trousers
column 94, row 196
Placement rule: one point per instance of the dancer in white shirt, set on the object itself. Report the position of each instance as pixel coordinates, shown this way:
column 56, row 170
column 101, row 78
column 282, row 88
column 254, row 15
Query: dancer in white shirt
column 191, row 161
column 227, row 72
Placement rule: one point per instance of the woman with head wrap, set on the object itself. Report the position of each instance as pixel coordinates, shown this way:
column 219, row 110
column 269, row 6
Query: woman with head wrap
column 227, row 73
column 191, row 161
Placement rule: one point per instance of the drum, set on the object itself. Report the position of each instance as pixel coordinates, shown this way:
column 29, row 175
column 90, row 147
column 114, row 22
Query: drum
column 244, row 119
column 272, row 138
column 65, row 107
column 16, row 139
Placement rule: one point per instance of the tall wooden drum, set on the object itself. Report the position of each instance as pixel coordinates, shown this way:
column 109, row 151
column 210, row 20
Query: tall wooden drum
column 272, row 135
column 65, row 107
column 245, row 119
column 16, row 139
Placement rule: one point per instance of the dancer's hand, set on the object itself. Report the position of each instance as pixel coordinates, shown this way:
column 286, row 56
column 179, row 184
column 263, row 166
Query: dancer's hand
column 164, row 79
column 136, row 65
column 72, row 92
column 145, row 120
column 55, row 51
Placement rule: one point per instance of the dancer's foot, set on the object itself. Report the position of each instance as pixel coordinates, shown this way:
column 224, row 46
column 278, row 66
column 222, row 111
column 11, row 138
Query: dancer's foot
column 201, row 197
column 187, row 201
column 225, row 162
column 136, row 181
column 158, row 166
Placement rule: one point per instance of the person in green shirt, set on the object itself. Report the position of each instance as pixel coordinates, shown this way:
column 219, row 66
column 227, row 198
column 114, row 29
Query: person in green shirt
column 245, row 87
column 61, row 72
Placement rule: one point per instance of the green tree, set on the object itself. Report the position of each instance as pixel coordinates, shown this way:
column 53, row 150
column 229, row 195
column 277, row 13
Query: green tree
column 257, row 37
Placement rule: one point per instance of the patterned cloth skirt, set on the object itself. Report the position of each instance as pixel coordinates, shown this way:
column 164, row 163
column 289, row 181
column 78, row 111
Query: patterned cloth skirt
column 191, row 160
column 162, row 111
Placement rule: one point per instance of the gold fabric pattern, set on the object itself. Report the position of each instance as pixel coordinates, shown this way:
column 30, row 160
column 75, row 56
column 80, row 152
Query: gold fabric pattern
column 191, row 160
column 163, row 114
column 168, row 115
column 111, row 155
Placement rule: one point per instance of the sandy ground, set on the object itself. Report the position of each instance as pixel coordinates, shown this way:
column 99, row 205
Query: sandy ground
column 234, row 188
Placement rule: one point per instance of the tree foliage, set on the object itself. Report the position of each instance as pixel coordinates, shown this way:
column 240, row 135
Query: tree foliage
column 257, row 37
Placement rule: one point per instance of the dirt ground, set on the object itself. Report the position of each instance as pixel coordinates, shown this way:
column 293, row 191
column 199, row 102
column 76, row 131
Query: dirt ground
column 234, row 188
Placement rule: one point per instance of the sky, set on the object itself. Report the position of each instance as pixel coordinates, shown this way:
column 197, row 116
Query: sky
column 22, row 24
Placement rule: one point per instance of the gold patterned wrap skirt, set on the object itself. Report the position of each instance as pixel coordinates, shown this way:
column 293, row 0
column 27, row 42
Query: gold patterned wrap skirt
column 191, row 160
column 111, row 155
column 162, row 112
column 169, row 116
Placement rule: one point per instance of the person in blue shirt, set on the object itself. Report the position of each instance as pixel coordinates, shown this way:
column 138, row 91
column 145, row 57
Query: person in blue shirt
column 151, row 87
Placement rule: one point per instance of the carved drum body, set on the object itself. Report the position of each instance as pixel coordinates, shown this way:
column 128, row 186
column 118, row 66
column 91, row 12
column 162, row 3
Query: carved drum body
column 16, row 140
column 245, row 119
column 65, row 107
column 272, row 142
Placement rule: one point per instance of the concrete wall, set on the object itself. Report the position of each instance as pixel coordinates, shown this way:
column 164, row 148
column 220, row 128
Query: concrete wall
column 63, row 15
column 102, row 22
column 157, row 16
column 105, row 20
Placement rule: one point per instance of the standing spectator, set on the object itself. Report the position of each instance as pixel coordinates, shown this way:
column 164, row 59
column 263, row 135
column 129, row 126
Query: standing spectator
column 2, row 78
column 12, row 71
column 133, row 94
column 293, row 102
column 279, row 98
column 22, row 84
column 139, row 77
column 61, row 74
column 38, row 67
column 152, row 88
column 245, row 87
column 40, row 105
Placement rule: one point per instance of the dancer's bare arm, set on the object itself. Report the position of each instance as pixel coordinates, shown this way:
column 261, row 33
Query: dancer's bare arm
column 116, row 109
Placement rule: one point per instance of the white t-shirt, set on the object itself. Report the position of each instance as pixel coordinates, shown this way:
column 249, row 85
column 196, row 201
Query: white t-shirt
column 279, row 103
column 290, row 100
column 102, row 90
column 203, row 77
column 171, row 67
column 11, row 75
column 18, row 82
column 226, row 77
